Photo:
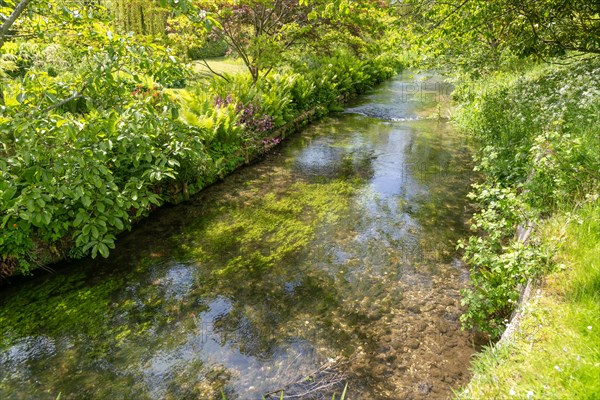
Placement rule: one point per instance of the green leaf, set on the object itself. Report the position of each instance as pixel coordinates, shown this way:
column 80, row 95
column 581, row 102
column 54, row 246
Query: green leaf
column 103, row 249
column 86, row 201
column 47, row 217
column 9, row 193
column 79, row 219
column 118, row 223
column 30, row 205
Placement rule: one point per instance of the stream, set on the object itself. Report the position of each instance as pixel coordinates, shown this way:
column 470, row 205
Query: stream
column 330, row 261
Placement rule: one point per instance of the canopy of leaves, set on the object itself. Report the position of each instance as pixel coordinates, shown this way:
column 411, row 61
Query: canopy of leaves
column 471, row 33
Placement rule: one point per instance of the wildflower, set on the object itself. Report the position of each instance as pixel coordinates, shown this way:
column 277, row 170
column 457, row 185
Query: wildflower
column 589, row 328
column 512, row 392
column 556, row 367
column 530, row 394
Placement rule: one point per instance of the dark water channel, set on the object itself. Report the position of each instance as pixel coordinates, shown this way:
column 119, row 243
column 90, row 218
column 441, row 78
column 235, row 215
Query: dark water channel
column 330, row 261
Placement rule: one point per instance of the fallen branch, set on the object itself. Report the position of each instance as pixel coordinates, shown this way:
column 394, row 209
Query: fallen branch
column 314, row 384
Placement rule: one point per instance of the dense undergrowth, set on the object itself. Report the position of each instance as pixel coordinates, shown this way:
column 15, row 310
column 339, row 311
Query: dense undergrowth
column 554, row 354
column 75, row 174
column 538, row 131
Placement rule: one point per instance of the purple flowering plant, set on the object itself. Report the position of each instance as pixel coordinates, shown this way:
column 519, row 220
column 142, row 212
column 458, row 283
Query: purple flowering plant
column 249, row 114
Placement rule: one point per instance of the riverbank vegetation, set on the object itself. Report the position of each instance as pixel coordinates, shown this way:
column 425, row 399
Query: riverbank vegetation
column 554, row 353
column 103, row 121
column 538, row 153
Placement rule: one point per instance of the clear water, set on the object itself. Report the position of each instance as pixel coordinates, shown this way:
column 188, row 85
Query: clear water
column 332, row 261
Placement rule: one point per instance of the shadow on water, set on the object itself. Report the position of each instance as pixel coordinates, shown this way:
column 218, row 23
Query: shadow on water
column 332, row 259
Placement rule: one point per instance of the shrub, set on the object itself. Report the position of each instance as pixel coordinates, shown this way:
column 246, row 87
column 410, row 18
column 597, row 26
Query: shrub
column 210, row 49
column 539, row 152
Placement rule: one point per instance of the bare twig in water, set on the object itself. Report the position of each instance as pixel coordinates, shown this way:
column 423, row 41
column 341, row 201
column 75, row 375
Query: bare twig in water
column 315, row 384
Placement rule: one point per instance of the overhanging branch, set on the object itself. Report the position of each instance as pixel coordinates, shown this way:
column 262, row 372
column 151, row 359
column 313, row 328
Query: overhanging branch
column 5, row 28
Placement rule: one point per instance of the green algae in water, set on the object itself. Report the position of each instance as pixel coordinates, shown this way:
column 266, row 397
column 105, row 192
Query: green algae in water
column 266, row 231
column 61, row 305
column 272, row 228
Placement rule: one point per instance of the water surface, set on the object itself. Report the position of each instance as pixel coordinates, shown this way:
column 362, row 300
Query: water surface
column 330, row 261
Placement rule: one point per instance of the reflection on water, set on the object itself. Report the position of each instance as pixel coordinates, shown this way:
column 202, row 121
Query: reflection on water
column 331, row 261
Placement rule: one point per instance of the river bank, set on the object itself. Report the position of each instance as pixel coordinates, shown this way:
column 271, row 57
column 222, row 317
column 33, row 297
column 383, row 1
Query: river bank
column 554, row 350
column 537, row 129
column 159, row 149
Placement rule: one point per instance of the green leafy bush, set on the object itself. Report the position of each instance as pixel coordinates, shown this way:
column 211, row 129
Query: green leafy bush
column 502, row 264
column 210, row 49
column 539, row 152
column 73, row 178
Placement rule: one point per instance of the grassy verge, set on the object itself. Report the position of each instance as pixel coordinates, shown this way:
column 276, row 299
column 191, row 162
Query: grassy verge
column 555, row 353
column 221, row 65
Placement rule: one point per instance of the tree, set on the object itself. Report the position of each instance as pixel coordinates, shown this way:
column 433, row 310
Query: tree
column 259, row 31
column 349, row 24
column 461, row 31
column 6, row 28
column 142, row 17
column 48, row 20
column 262, row 32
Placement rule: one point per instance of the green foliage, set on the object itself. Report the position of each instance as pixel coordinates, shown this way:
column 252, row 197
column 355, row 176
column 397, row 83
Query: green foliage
column 143, row 17
column 554, row 353
column 479, row 37
column 540, row 151
column 210, row 49
column 50, row 20
column 502, row 264
column 259, row 32
column 263, row 34
column 539, row 129
column 341, row 76
column 75, row 177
